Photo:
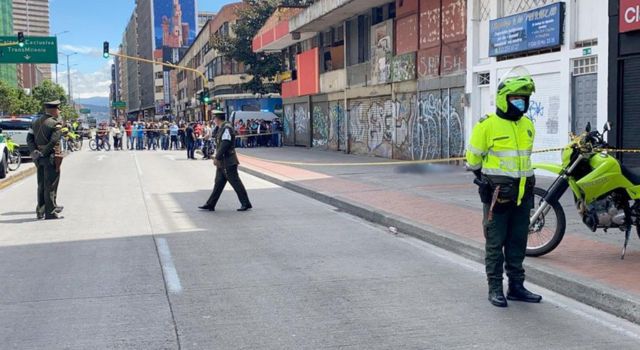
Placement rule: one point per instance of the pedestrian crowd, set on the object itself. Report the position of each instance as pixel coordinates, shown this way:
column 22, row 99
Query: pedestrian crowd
column 192, row 137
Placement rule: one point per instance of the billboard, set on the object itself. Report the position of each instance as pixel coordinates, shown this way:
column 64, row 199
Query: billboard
column 536, row 29
column 174, row 27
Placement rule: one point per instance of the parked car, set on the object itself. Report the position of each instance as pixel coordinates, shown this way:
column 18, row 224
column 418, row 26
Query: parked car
column 18, row 128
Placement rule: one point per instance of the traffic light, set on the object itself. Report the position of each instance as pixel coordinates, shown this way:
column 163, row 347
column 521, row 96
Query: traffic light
column 105, row 49
column 21, row 39
column 206, row 99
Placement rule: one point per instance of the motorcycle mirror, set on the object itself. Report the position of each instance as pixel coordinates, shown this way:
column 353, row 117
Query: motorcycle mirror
column 607, row 126
column 588, row 128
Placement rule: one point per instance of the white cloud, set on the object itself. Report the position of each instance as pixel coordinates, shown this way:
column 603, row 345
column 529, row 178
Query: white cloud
column 85, row 50
column 85, row 85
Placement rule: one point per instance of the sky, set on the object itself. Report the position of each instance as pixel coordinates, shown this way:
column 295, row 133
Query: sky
column 90, row 23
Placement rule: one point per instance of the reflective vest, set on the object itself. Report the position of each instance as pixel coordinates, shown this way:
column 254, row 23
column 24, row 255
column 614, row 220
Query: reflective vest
column 502, row 147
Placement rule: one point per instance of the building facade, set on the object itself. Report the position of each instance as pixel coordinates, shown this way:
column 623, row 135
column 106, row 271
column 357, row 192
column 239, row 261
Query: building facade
column 159, row 30
column 204, row 17
column 7, row 71
column 624, row 77
column 32, row 18
column 567, row 58
column 379, row 78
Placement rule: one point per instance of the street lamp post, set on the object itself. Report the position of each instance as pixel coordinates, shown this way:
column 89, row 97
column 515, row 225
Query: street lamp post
column 68, row 73
column 56, row 35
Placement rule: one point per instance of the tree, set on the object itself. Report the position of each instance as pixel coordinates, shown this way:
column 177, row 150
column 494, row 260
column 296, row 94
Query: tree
column 14, row 101
column 68, row 113
column 49, row 91
column 263, row 67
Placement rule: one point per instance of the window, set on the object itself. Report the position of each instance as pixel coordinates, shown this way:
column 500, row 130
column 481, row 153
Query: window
column 159, row 89
column 484, row 10
column 364, row 38
column 484, row 79
column 510, row 7
column 159, row 75
column 587, row 65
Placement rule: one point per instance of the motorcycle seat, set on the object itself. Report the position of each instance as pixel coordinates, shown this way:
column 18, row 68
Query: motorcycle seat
column 632, row 174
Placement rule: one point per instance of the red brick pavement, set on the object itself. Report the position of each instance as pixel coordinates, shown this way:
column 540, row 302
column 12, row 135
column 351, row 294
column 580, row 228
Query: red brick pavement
column 582, row 257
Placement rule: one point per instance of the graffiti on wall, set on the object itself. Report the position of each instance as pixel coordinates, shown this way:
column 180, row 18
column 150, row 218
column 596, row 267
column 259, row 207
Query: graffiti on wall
column 381, row 52
column 337, row 126
column 320, row 125
column 301, row 123
column 404, row 114
column 403, row 67
column 439, row 129
column 452, row 59
column 287, row 126
column 371, row 127
column 428, row 126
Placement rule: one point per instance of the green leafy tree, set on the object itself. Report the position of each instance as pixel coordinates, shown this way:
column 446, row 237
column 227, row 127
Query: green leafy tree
column 68, row 113
column 14, row 101
column 262, row 67
column 49, row 91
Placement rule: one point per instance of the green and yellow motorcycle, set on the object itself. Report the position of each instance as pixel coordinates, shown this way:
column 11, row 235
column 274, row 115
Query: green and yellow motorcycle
column 606, row 193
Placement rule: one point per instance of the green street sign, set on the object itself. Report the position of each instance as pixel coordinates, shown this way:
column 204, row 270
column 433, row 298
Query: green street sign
column 85, row 111
column 119, row 105
column 37, row 49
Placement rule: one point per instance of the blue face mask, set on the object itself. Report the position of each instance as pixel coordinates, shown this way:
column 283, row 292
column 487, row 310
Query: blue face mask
column 520, row 104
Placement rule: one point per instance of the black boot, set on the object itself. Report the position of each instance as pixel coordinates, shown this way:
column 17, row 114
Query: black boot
column 496, row 297
column 518, row 292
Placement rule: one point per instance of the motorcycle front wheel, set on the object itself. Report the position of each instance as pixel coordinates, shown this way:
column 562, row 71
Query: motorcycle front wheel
column 547, row 232
column 92, row 145
column 15, row 159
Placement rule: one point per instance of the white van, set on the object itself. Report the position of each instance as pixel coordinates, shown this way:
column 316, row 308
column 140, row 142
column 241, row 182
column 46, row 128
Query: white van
column 18, row 128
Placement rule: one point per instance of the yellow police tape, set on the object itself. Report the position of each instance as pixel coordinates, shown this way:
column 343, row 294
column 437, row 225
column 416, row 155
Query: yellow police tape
column 430, row 161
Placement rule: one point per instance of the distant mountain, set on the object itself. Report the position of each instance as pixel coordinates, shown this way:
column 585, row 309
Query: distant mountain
column 94, row 101
column 94, row 109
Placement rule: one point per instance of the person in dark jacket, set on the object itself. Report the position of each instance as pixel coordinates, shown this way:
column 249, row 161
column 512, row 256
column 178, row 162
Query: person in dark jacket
column 226, row 162
column 190, row 139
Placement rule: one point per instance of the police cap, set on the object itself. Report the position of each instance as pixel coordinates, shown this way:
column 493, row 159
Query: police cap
column 52, row 104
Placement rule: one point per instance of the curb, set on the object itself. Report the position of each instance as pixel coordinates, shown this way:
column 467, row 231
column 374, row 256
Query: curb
column 17, row 177
column 595, row 294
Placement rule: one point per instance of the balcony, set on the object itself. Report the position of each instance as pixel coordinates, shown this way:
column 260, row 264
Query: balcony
column 326, row 13
column 334, row 81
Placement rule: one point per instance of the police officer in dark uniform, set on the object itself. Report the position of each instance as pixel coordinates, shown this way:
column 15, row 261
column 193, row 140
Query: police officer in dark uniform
column 226, row 162
column 44, row 144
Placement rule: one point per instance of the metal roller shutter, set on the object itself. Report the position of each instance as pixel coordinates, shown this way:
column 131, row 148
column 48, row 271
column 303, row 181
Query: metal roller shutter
column 631, row 110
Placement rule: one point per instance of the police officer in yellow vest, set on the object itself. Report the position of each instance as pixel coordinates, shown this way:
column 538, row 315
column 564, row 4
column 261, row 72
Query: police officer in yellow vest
column 499, row 153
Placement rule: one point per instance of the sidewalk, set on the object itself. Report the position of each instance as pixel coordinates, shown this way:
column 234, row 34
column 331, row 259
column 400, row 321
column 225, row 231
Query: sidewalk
column 439, row 204
column 25, row 170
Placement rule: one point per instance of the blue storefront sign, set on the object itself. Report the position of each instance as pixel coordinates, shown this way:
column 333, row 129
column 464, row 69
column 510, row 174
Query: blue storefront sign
column 533, row 30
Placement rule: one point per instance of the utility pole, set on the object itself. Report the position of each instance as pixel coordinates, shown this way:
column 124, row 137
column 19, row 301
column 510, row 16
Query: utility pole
column 68, row 74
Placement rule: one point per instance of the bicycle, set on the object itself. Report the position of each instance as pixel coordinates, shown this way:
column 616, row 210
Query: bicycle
column 15, row 159
column 102, row 145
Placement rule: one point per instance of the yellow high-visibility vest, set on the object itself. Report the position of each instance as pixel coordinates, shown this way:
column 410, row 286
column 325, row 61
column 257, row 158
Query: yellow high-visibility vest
column 502, row 147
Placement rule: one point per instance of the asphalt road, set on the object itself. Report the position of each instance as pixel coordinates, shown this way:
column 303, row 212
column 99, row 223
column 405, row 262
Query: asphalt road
column 134, row 265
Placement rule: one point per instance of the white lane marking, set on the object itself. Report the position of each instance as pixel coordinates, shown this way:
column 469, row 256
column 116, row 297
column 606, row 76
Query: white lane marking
column 101, row 158
column 616, row 324
column 170, row 273
column 135, row 157
column 170, row 157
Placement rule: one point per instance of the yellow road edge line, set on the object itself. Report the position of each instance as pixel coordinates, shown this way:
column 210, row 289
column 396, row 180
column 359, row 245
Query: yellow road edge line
column 20, row 176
